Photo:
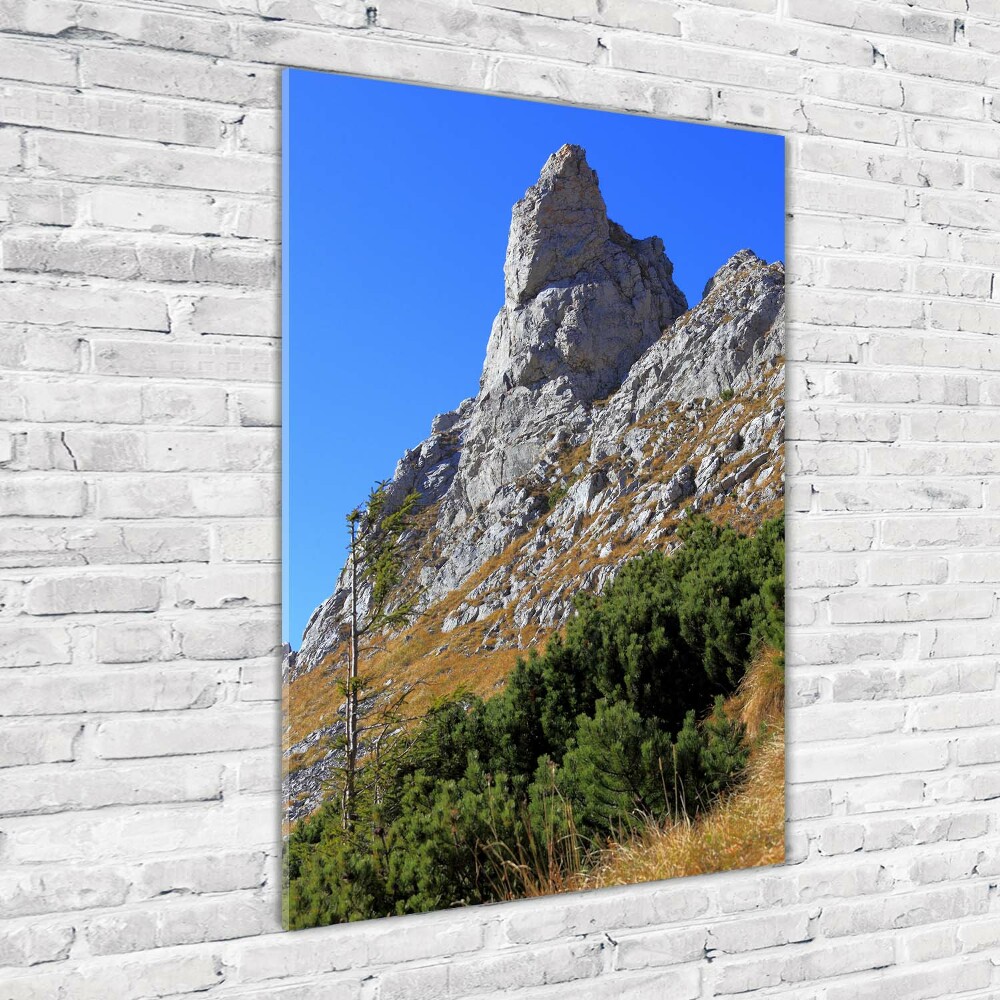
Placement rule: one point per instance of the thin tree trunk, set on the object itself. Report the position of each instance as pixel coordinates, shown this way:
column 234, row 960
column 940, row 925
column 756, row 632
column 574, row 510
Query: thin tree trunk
column 351, row 708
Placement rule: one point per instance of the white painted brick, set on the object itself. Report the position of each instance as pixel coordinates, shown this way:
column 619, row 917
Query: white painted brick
column 116, row 159
column 74, row 594
column 31, row 646
column 159, row 29
column 32, row 692
column 134, row 642
column 937, row 63
column 210, row 639
column 195, row 405
column 100, row 254
column 290, row 45
column 183, row 780
column 258, row 407
column 924, row 97
column 46, row 889
column 555, row 918
column 662, row 948
column 941, row 531
column 866, row 759
column 969, row 317
column 255, row 541
column 34, row 348
column 51, row 401
column 890, row 166
column 23, row 495
column 42, row 202
column 852, row 123
column 163, row 735
column 226, row 871
column 864, row 273
column 164, row 451
column 937, row 981
column 35, row 943
column 47, row 17
column 978, row 354
column 979, row 935
column 180, row 211
column 773, row 111
column 171, row 74
column 862, row 606
column 239, row 316
column 130, row 979
column 82, row 305
column 816, row 963
column 940, row 279
column 185, row 360
column 975, row 567
column 45, row 742
column 821, row 194
column 892, row 570
column 963, row 213
column 108, row 543
column 261, row 773
column 31, row 61
column 906, row 910
column 943, row 641
column 663, row 56
column 875, row 795
column 228, row 586
column 875, row 17
column 866, row 236
column 592, row 86
column 181, row 923
column 875, row 495
column 844, row 838
column 105, row 114
column 500, row 30
column 831, row 722
column 853, row 425
column 257, row 131
column 190, row 496
column 956, row 712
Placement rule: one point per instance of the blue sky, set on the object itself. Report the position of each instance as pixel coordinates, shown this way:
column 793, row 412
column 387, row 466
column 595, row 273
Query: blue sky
column 397, row 203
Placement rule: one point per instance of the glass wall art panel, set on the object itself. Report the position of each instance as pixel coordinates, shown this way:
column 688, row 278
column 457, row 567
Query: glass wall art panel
column 533, row 499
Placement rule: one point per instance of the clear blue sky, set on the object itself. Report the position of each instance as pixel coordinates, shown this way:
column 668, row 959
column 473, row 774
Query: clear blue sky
column 397, row 203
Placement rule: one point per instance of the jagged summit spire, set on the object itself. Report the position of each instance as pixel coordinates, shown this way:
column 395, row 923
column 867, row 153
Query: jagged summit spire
column 557, row 228
column 583, row 299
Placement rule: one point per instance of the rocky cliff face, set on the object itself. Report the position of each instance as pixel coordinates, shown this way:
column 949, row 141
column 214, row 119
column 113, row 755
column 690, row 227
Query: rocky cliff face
column 592, row 347
column 607, row 411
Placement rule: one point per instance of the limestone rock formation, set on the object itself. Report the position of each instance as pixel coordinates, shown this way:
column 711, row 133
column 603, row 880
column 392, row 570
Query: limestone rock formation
column 607, row 411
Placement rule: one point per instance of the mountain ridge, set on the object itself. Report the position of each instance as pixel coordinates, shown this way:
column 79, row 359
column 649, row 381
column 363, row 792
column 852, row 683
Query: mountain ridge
column 608, row 411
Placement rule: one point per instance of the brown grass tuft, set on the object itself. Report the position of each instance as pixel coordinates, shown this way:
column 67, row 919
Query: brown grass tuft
column 759, row 701
column 746, row 829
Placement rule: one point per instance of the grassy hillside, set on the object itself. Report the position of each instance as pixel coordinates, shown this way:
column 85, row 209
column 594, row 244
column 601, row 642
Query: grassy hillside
column 635, row 726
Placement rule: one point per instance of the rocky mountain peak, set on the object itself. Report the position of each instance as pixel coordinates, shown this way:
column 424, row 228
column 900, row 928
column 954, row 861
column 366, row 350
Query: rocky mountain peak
column 731, row 268
column 557, row 228
column 582, row 298
column 604, row 405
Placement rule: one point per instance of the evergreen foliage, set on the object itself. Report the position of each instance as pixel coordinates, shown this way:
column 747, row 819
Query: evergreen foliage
column 498, row 798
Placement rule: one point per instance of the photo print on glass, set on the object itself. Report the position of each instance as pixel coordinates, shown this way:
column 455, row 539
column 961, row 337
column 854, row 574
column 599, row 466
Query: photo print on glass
column 533, row 499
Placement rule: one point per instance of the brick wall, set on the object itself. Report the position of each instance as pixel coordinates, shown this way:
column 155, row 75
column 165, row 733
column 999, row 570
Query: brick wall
column 138, row 317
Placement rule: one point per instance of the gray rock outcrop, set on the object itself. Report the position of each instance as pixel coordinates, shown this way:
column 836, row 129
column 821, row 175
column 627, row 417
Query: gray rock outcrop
column 604, row 407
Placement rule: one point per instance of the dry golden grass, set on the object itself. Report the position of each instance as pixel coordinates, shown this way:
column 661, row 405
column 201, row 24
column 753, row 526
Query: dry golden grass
column 759, row 701
column 746, row 829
